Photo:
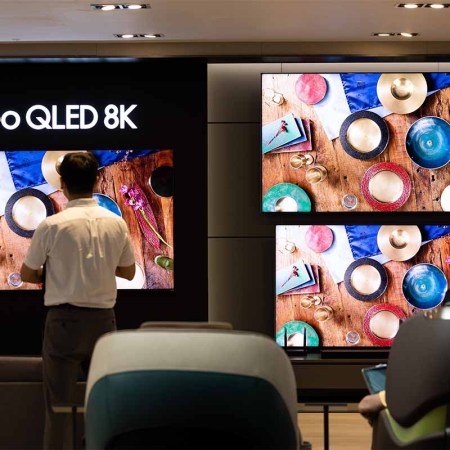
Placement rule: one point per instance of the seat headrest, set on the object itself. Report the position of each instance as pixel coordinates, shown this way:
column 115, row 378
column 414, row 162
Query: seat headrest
column 418, row 373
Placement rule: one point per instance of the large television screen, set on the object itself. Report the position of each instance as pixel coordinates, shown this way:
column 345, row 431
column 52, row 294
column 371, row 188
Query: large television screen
column 335, row 142
column 352, row 285
column 145, row 120
column 137, row 185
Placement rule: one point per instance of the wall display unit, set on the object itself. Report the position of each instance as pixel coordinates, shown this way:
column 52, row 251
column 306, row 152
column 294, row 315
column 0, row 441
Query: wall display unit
column 137, row 185
column 145, row 120
column 366, row 142
column 350, row 286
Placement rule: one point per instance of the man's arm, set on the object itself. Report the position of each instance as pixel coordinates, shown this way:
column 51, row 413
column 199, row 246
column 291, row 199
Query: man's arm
column 126, row 272
column 30, row 275
column 371, row 405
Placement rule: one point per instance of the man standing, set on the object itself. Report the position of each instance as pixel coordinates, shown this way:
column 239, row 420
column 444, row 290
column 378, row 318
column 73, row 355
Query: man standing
column 83, row 248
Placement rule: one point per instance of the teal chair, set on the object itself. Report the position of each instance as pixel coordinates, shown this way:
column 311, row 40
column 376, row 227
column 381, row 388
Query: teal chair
column 190, row 389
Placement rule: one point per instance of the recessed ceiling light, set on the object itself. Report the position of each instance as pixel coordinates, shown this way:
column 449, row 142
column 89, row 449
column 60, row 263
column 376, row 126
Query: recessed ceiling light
column 423, row 5
column 115, row 6
column 408, row 35
column 146, row 35
column 383, row 34
column 410, row 5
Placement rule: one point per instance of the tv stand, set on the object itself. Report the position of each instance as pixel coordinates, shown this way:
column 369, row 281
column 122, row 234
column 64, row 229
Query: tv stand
column 354, row 353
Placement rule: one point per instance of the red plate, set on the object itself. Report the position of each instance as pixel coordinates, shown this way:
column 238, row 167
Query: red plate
column 371, row 313
column 310, row 88
column 390, row 167
column 319, row 238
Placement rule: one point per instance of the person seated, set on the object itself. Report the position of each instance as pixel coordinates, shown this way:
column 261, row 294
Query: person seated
column 414, row 405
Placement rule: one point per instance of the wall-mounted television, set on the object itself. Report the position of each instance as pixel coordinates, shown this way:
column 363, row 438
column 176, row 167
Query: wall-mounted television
column 352, row 285
column 366, row 142
column 136, row 185
column 145, row 120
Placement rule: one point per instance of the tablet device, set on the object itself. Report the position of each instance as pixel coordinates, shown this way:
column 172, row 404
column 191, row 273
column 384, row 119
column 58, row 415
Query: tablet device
column 375, row 378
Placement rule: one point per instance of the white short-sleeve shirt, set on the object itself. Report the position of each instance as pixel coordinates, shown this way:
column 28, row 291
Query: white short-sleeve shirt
column 82, row 246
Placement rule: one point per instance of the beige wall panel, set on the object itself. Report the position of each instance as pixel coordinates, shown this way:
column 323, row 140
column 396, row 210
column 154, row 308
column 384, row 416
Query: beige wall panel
column 234, row 200
column 241, row 283
column 234, row 91
column 360, row 67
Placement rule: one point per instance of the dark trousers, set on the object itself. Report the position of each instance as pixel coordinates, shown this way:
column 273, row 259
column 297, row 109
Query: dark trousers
column 69, row 339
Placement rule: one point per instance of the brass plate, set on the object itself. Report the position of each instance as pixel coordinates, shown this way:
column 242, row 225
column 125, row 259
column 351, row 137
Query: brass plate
column 28, row 212
column 49, row 166
column 445, row 199
column 286, row 204
column 295, row 340
column 384, row 324
column 364, row 135
column 365, row 279
column 386, row 186
column 399, row 242
column 402, row 93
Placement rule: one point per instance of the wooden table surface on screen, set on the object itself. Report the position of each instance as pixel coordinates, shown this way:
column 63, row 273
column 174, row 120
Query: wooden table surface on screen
column 13, row 248
column 348, row 312
column 345, row 172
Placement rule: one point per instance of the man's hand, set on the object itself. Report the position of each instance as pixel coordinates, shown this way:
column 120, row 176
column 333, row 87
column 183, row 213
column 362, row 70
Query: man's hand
column 370, row 406
column 30, row 275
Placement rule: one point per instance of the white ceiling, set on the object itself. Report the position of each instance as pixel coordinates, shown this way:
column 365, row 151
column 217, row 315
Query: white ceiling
column 220, row 20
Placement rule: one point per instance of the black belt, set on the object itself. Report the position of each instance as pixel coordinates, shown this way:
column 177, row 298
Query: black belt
column 78, row 308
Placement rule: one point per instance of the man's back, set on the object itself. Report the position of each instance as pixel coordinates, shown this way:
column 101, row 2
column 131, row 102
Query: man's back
column 82, row 245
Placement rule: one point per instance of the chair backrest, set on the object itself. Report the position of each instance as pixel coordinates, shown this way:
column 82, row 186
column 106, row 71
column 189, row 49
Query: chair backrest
column 188, row 325
column 418, row 373
column 199, row 389
column 417, row 383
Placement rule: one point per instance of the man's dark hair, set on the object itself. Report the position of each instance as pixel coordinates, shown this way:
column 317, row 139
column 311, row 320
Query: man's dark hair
column 79, row 172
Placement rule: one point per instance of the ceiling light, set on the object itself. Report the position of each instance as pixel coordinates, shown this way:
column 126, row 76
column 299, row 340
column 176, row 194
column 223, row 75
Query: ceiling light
column 146, row 35
column 410, row 5
column 115, row 6
column 423, row 5
column 383, row 34
column 408, row 35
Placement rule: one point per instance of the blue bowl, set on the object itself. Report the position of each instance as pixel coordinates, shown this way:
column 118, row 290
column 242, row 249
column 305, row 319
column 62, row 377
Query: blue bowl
column 428, row 142
column 107, row 203
column 424, row 286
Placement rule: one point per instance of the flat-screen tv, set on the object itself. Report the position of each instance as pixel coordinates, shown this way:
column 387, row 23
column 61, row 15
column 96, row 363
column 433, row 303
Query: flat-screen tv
column 135, row 184
column 352, row 285
column 335, row 142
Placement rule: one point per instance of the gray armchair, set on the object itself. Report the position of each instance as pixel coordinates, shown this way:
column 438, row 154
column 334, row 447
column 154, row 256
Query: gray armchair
column 190, row 389
column 417, row 387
